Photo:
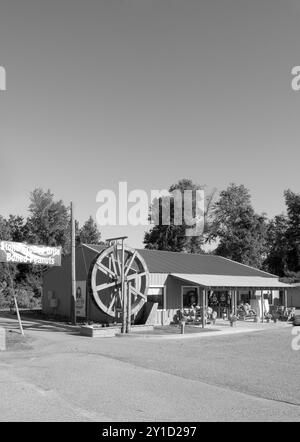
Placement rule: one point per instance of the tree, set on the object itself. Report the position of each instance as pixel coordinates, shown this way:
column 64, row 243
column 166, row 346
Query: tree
column 5, row 271
column 240, row 233
column 18, row 228
column 5, row 234
column 89, row 233
column 292, row 201
column 49, row 220
column 172, row 237
column 277, row 246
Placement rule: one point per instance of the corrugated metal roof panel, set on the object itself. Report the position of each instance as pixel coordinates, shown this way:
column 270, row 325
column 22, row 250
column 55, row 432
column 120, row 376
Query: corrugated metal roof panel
column 226, row 281
column 159, row 261
column 174, row 262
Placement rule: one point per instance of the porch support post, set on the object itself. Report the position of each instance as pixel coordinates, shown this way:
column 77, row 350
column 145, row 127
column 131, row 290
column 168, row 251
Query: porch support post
column 234, row 301
column 262, row 305
column 203, row 307
column 285, row 298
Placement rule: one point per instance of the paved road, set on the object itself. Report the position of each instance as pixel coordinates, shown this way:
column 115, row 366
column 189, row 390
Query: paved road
column 65, row 377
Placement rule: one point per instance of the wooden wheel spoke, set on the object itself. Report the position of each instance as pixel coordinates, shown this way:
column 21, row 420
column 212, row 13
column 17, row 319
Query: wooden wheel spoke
column 114, row 264
column 116, row 261
column 112, row 302
column 128, row 266
column 105, row 286
column 105, row 269
column 138, row 293
column 135, row 275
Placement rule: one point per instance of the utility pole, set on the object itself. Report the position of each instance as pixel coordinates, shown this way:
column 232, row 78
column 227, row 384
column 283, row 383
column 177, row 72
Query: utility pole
column 73, row 268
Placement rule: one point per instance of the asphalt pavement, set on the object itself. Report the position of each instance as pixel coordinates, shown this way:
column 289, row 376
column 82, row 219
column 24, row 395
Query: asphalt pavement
column 62, row 376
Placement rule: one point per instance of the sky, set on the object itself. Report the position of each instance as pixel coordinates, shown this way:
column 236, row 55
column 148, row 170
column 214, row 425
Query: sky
column 148, row 92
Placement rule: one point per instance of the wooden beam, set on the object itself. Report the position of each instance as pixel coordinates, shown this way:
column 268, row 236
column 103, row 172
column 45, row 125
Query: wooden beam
column 262, row 305
column 285, row 298
column 203, row 308
column 128, row 319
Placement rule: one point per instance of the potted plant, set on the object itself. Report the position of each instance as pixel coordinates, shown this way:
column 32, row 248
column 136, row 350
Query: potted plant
column 268, row 317
column 214, row 317
column 182, row 321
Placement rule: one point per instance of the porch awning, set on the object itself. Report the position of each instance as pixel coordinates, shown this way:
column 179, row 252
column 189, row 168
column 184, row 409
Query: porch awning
column 232, row 282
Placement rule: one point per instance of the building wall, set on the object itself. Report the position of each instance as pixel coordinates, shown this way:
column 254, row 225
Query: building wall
column 173, row 293
column 56, row 297
column 294, row 297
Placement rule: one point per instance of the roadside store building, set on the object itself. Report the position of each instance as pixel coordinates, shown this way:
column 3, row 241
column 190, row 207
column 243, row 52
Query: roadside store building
column 175, row 280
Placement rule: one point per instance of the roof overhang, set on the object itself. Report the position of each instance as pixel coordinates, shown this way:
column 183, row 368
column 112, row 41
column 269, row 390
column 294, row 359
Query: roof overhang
column 228, row 282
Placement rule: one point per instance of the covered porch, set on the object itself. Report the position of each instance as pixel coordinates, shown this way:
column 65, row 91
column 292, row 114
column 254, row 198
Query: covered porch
column 224, row 293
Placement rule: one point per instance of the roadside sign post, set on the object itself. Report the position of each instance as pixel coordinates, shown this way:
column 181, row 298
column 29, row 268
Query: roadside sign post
column 15, row 301
column 22, row 253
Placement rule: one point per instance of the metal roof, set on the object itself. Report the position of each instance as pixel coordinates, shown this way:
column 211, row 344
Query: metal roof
column 226, row 281
column 159, row 261
column 175, row 262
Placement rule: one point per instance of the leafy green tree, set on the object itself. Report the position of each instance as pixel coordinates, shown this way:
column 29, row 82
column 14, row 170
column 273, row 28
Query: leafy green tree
column 239, row 232
column 277, row 246
column 49, row 220
column 89, row 233
column 5, row 270
column 292, row 201
column 18, row 228
column 173, row 237
column 5, row 233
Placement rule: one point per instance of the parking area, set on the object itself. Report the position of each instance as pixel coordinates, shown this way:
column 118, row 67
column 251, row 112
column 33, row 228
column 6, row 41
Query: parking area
column 60, row 375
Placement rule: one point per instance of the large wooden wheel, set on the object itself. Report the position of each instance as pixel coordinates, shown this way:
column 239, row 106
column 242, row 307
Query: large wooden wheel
column 106, row 279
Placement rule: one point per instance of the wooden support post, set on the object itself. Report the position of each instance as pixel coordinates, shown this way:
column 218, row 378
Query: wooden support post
column 15, row 300
column 203, row 307
column 123, row 291
column 18, row 314
column 128, row 319
column 285, row 298
column 73, row 268
column 262, row 305
column 88, row 305
column 235, row 301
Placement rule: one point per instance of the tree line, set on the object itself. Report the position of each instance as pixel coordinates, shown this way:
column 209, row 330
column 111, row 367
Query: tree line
column 232, row 229
column 48, row 223
column 236, row 231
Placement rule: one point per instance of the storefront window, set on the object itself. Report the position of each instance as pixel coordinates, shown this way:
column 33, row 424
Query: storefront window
column 189, row 297
column 245, row 297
